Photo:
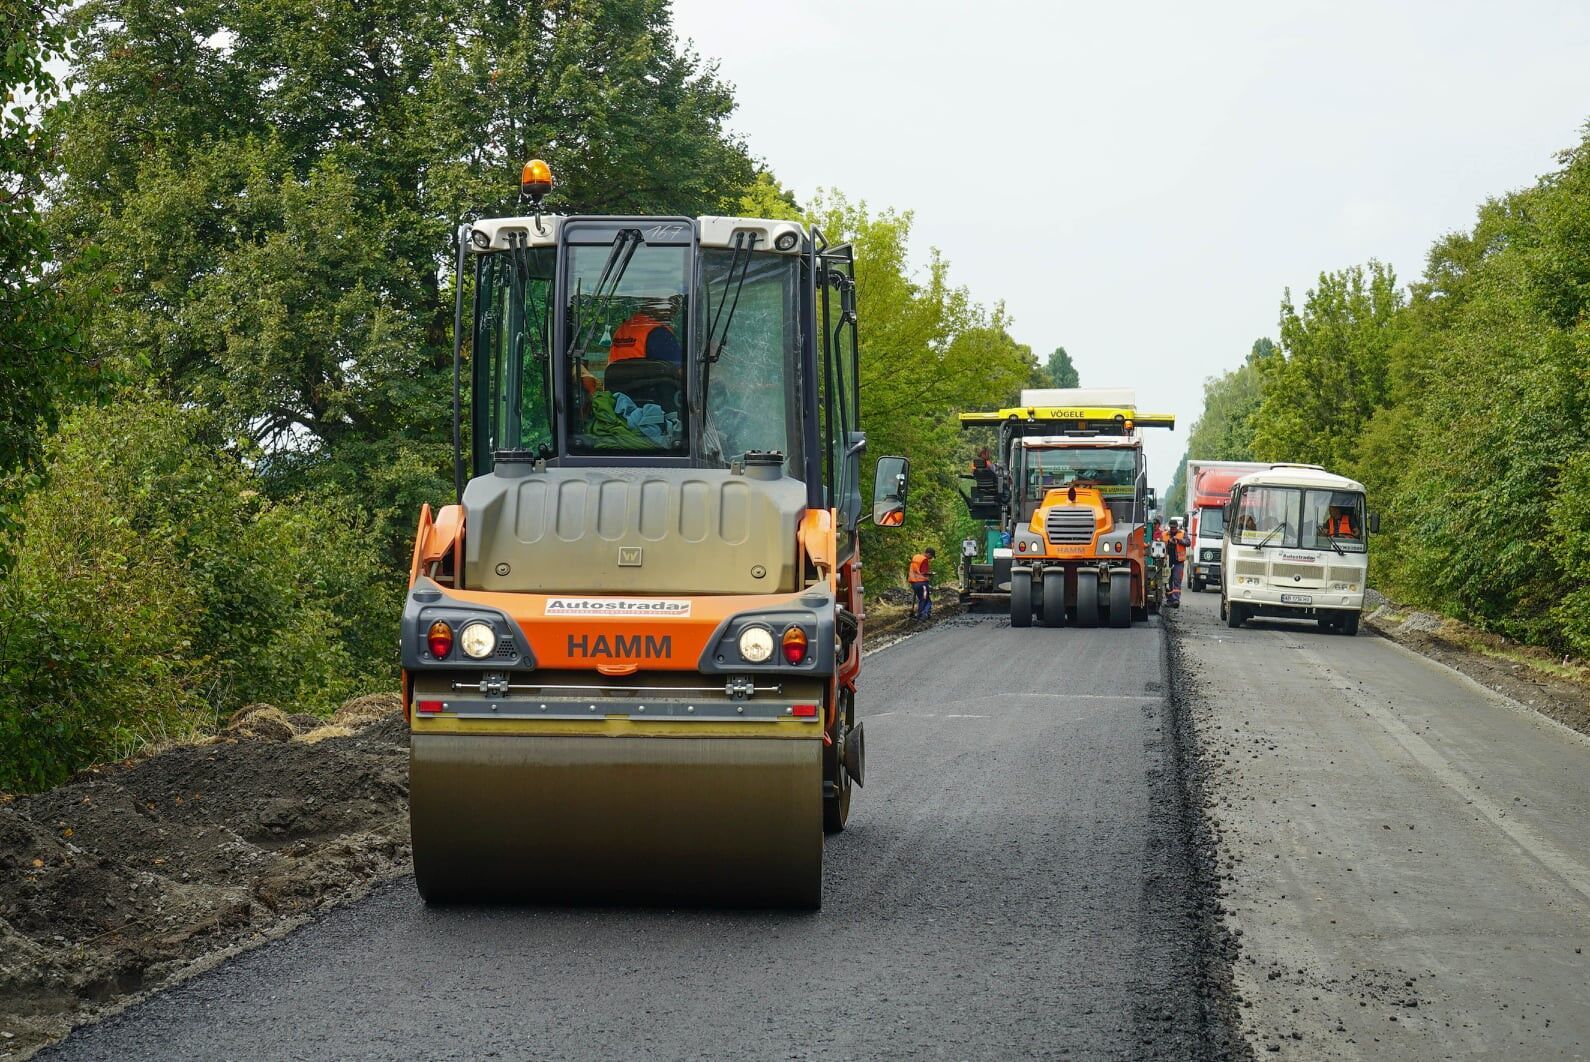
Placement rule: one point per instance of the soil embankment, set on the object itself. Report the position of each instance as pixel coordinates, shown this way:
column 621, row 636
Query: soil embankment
column 127, row 877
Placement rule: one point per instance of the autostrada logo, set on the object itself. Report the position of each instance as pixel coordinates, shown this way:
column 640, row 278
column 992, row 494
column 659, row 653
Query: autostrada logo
column 617, row 606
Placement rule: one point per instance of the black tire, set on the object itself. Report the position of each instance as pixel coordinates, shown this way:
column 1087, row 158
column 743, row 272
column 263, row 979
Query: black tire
column 1196, row 585
column 1087, row 599
column 1349, row 624
column 1235, row 615
column 1121, row 601
column 837, row 783
column 1020, row 599
column 1054, row 598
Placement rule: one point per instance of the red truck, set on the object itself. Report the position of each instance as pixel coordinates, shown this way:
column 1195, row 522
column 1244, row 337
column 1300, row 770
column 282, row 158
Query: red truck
column 1208, row 485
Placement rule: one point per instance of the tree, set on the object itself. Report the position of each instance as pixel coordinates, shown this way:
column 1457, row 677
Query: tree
column 1333, row 372
column 928, row 350
column 37, row 351
column 1060, row 371
column 269, row 188
column 1224, row 430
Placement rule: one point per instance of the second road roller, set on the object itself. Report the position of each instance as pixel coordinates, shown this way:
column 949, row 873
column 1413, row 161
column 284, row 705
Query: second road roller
column 630, row 648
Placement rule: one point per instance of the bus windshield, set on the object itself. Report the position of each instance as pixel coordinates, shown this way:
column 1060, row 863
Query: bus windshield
column 1300, row 518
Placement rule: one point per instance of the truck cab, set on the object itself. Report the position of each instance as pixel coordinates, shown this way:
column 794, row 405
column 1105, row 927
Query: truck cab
column 1296, row 546
column 1208, row 486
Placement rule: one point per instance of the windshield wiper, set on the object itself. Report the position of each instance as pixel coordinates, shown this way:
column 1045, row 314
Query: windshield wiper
column 1332, row 540
column 624, row 246
column 1265, row 541
column 710, row 351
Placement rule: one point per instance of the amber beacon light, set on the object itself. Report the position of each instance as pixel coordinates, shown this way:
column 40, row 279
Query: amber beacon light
column 535, row 181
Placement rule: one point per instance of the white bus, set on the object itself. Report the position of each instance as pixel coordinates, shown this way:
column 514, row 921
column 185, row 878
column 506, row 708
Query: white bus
column 1296, row 545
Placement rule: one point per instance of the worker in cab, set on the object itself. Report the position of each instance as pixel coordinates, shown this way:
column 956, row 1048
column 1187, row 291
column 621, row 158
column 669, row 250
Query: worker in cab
column 1339, row 524
column 920, row 578
column 1176, row 544
column 643, row 336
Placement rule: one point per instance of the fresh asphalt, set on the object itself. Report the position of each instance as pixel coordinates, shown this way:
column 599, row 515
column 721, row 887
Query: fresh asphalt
column 1016, row 881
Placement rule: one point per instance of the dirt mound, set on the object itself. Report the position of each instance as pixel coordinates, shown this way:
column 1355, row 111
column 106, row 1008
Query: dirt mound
column 114, row 883
column 261, row 721
column 367, row 709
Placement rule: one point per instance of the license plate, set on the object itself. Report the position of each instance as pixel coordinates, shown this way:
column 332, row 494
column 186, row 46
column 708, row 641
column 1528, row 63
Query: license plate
column 1297, row 599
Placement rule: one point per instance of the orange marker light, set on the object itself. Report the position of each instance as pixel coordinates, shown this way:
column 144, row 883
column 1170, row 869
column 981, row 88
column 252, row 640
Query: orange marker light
column 794, row 645
column 439, row 640
column 535, row 180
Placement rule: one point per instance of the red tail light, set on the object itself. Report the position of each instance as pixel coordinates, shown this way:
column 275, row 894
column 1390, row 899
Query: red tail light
column 429, row 707
column 439, row 639
column 794, row 645
column 804, row 711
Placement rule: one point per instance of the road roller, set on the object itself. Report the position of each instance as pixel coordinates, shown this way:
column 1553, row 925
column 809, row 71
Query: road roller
column 630, row 647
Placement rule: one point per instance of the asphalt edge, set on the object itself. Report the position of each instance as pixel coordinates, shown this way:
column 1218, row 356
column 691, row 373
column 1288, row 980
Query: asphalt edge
column 1216, row 949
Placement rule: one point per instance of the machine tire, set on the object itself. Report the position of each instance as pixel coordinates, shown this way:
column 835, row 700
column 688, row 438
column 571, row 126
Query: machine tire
column 837, row 782
column 1235, row 615
column 1121, row 601
column 1087, row 599
column 1196, row 585
column 1054, row 598
column 1021, row 600
column 1349, row 625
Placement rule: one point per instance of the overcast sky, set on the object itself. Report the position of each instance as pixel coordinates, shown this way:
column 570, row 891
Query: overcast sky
column 1139, row 182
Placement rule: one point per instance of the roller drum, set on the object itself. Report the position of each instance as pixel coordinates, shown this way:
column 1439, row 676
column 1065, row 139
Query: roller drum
column 632, row 820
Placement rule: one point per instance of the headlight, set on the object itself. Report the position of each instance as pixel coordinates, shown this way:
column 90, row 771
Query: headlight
column 478, row 639
column 756, row 644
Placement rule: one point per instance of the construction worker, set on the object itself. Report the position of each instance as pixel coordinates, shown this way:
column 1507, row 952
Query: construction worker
column 643, row 336
column 1176, row 543
column 1338, row 524
column 921, row 575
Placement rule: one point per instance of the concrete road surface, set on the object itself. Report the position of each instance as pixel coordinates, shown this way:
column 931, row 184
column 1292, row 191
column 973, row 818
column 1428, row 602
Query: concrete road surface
column 1015, row 882
column 1407, row 854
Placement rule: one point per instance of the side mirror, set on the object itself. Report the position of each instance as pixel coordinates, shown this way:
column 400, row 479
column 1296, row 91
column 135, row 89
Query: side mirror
column 1374, row 523
column 889, row 490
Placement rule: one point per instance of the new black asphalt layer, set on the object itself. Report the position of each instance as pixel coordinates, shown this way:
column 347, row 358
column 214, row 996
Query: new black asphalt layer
column 1016, row 881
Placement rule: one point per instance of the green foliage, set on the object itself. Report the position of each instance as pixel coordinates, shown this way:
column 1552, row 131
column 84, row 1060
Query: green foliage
column 38, row 358
column 1225, row 429
column 155, row 588
column 1332, row 374
column 928, row 350
column 270, row 186
column 1058, row 370
column 1464, row 408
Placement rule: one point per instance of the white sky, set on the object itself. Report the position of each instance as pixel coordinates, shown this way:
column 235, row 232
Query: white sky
column 1140, row 181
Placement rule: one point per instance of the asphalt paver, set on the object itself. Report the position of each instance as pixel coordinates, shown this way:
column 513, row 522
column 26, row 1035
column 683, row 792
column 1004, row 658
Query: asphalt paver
column 1016, row 881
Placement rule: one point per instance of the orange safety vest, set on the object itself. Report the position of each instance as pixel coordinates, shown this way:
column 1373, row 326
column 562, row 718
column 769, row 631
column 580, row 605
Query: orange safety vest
column 1342, row 527
column 629, row 338
column 920, row 564
column 1178, row 547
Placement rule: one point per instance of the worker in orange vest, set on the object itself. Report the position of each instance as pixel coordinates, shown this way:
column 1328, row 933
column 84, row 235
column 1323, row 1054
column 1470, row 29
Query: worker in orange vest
column 921, row 575
column 643, row 336
column 1176, row 543
column 1338, row 525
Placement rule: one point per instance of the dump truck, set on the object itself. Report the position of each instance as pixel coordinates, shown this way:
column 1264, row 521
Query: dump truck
column 1071, row 484
column 1208, row 484
column 1296, row 546
column 631, row 645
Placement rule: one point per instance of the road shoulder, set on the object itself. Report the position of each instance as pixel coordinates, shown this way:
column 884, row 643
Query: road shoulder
column 1400, row 855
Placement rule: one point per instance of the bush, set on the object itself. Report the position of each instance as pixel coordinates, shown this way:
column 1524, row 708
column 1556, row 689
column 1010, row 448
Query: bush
column 154, row 590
